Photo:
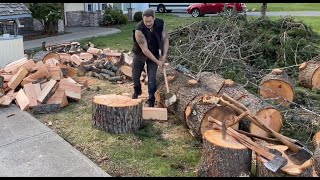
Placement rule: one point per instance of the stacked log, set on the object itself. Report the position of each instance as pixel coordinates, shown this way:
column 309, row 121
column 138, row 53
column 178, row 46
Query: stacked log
column 309, row 74
column 193, row 105
column 278, row 85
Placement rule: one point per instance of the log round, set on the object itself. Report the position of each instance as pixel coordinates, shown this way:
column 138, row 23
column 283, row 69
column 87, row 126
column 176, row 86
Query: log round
column 116, row 114
column 223, row 158
column 289, row 170
column 197, row 113
column 257, row 106
column 50, row 56
column 280, row 84
column 44, row 55
column 309, row 74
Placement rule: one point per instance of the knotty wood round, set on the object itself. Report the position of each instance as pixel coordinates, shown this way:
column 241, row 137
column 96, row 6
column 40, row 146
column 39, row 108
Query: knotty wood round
column 309, row 74
column 225, row 158
column 291, row 169
column 280, row 84
column 116, row 114
column 127, row 71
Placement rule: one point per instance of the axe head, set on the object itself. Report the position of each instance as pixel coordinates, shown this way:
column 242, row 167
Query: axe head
column 168, row 102
column 300, row 157
column 276, row 163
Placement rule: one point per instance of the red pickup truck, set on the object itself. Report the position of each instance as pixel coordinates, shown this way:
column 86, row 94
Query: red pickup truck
column 200, row 9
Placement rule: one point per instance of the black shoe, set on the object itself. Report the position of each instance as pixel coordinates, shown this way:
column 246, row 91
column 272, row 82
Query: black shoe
column 135, row 95
column 151, row 104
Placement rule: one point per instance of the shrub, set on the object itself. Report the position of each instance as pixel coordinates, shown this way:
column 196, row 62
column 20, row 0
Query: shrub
column 137, row 16
column 113, row 16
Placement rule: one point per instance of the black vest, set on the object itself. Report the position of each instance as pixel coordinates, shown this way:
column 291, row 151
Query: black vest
column 154, row 38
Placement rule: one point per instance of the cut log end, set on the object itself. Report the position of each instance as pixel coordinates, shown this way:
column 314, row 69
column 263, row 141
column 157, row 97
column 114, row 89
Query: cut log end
column 215, row 137
column 272, row 118
column 316, row 79
column 316, row 140
column 113, row 100
column 280, row 90
column 290, row 169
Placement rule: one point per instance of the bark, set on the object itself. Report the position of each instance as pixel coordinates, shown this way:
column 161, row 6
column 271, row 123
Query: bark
column 307, row 72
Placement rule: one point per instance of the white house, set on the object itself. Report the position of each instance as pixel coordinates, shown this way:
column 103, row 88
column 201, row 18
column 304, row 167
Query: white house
column 93, row 7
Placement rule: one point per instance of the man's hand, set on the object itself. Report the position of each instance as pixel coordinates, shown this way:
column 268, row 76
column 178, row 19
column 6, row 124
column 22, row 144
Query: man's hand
column 163, row 58
column 160, row 64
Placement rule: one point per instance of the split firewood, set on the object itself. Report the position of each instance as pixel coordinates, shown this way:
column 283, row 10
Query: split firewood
column 59, row 97
column 72, row 90
column 31, row 92
column 22, row 100
column 17, row 78
column 15, row 65
column 48, row 91
column 151, row 113
column 94, row 51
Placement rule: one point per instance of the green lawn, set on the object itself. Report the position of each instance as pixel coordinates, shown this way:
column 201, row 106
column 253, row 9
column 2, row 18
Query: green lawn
column 286, row 6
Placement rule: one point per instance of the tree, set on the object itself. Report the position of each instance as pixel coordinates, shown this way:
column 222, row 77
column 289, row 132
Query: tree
column 48, row 14
column 264, row 10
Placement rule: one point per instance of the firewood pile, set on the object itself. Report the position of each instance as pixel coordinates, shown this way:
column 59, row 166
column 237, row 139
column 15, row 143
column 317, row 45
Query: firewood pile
column 47, row 81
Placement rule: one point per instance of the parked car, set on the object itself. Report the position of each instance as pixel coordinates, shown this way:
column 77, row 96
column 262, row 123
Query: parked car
column 200, row 9
column 168, row 7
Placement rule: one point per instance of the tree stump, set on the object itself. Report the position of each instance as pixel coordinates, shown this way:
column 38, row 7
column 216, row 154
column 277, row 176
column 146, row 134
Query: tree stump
column 280, row 85
column 309, row 74
column 316, row 153
column 116, row 114
column 225, row 158
column 258, row 107
column 289, row 170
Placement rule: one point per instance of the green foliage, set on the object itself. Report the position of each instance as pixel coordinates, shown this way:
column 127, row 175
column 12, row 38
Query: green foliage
column 48, row 14
column 137, row 16
column 114, row 16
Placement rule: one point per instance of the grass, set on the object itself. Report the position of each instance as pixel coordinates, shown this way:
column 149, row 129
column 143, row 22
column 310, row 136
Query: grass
column 157, row 149
column 286, row 6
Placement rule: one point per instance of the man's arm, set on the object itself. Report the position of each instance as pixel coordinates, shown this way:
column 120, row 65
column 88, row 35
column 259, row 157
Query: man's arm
column 165, row 38
column 141, row 40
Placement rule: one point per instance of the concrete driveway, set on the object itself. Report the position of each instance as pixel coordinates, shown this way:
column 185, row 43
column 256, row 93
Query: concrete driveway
column 289, row 13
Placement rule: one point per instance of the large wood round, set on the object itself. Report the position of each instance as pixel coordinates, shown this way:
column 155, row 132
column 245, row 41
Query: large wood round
column 309, row 74
column 291, row 169
column 280, row 85
column 50, row 56
column 257, row 106
column 116, row 114
column 223, row 158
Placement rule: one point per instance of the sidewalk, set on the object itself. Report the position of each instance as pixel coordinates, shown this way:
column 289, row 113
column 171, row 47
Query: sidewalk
column 29, row 148
column 76, row 33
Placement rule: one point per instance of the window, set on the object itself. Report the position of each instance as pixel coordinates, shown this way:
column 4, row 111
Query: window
column 90, row 7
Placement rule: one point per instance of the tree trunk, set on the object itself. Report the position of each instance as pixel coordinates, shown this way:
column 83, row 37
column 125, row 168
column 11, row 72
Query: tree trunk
column 116, row 114
column 225, row 158
column 264, row 10
column 289, row 170
column 309, row 74
column 258, row 107
column 279, row 83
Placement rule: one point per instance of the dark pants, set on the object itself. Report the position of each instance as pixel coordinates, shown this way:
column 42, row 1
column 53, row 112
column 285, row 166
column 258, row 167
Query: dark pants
column 137, row 68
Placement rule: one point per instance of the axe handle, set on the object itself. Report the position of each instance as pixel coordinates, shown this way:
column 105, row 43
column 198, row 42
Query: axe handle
column 246, row 141
column 286, row 141
column 165, row 78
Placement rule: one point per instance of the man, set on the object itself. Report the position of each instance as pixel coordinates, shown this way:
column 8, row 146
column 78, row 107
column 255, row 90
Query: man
column 150, row 38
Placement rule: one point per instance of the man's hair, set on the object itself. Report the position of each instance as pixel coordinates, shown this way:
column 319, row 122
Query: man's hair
column 148, row 13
